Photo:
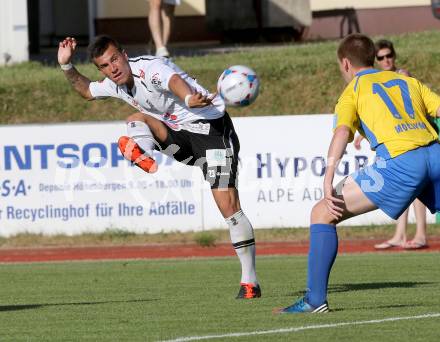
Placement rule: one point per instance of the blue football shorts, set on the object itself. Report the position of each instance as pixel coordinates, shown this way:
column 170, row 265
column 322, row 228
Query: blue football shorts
column 393, row 184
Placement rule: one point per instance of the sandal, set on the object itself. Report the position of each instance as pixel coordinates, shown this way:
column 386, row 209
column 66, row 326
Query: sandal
column 387, row 245
column 415, row 245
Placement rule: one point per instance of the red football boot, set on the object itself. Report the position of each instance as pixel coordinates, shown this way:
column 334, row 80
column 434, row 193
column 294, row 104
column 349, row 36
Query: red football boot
column 131, row 151
column 249, row 291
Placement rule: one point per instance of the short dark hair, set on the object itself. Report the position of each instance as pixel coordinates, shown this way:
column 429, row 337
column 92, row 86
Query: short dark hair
column 385, row 44
column 358, row 49
column 100, row 44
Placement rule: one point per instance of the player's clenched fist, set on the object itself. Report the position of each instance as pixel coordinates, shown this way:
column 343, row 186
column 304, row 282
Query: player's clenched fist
column 66, row 49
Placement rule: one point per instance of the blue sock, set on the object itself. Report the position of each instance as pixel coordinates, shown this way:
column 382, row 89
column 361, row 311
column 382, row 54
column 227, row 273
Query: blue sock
column 322, row 253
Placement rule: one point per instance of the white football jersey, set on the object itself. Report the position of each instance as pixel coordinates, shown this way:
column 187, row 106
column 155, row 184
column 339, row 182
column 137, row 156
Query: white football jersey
column 152, row 96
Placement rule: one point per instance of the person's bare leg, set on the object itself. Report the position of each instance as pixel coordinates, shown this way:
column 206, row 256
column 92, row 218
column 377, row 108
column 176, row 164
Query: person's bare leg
column 227, row 201
column 167, row 15
column 420, row 236
column 399, row 237
column 155, row 23
column 241, row 232
column 355, row 203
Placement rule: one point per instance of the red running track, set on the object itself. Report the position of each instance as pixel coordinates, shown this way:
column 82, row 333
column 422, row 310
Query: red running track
column 160, row 251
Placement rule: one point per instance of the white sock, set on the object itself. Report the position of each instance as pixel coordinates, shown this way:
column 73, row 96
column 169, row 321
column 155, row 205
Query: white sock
column 141, row 134
column 242, row 237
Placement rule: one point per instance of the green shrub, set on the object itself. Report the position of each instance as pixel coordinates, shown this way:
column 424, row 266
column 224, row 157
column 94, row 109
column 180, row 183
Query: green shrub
column 205, row 239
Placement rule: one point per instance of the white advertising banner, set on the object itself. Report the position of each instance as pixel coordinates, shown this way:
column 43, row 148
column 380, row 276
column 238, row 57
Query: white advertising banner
column 71, row 178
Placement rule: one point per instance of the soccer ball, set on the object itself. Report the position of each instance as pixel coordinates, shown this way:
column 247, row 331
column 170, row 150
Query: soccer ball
column 238, row 85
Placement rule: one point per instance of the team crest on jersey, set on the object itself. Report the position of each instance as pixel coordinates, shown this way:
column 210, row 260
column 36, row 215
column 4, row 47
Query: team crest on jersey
column 155, row 79
column 142, row 74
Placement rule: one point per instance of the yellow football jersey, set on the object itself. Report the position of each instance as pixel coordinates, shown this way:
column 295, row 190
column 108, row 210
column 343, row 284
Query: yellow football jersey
column 389, row 109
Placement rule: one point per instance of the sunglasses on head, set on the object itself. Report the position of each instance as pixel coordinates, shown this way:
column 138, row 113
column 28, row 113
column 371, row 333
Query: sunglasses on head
column 389, row 55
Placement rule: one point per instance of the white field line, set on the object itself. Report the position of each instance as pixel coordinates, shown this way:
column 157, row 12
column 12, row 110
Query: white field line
column 307, row 327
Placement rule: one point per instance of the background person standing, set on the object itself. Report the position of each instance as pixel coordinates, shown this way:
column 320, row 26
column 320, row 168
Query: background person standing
column 160, row 21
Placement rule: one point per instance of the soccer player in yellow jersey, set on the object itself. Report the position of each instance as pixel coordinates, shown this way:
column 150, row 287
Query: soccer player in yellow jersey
column 386, row 60
column 390, row 111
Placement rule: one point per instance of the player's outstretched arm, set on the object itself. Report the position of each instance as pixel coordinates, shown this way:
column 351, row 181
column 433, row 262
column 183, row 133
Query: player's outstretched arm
column 182, row 90
column 80, row 83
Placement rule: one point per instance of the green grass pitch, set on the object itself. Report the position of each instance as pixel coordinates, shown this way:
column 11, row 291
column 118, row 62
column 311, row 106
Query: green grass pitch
column 153, row 300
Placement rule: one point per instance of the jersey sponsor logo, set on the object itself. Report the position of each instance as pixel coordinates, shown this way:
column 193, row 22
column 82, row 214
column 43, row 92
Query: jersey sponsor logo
column 200, row 127
column 216, row 157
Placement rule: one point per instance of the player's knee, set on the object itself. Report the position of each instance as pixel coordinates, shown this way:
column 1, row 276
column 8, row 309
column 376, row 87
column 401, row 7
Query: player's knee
column 228, row 207
column 315, row 213
column 320, row 214
column 135, row 117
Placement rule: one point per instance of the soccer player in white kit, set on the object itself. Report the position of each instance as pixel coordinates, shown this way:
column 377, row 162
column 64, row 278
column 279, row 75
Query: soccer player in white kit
column 180, row 118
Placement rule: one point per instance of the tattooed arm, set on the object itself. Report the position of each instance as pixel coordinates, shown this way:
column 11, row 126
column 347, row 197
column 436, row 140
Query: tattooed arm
column 79, row 82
